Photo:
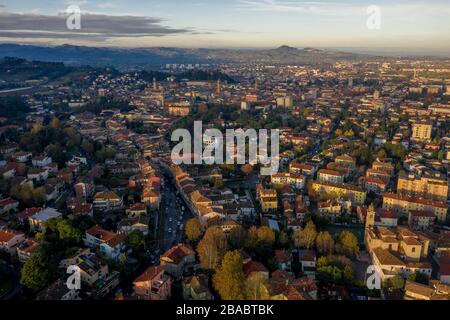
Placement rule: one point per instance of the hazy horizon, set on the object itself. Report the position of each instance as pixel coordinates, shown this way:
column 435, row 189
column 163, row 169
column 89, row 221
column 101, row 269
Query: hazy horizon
column 415, row 26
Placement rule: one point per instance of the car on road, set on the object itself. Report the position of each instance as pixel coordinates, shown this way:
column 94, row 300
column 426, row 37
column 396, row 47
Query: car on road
column 170, row 230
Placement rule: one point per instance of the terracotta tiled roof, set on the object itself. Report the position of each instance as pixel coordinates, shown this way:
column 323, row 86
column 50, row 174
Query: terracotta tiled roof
column 110, row 238
column 254, row 266
column 7, row 235
column 149, row 274
column 177, row 253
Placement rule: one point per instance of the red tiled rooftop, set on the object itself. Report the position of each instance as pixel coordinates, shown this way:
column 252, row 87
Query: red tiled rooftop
column 254, row 266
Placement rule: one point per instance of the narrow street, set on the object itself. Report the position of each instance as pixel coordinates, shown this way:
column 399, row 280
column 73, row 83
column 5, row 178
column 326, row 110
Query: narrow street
column 172, row 216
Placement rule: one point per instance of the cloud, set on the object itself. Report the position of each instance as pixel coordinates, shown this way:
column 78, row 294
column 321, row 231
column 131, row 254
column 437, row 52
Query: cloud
column 310, row 7
column 97, row 26
column 106, row 5
column 403, row 11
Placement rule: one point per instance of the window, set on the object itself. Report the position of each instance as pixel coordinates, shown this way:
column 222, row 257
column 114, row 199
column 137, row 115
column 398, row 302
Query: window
column 413, row 250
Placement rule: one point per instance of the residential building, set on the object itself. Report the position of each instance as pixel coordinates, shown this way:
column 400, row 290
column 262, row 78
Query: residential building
column 26, row 249
column 10, row 240
column 421, row 220
column 268, row 200
column 430, row 187
column 406, row 204
column 196, row 288
column 37, row 221
column 153, row 284
column 288, row 179
column 110, row 244
column 352, row 193
column 8, row 205
column 330, row 176
column 421, row 131
column 178, row 260
column 107, row 200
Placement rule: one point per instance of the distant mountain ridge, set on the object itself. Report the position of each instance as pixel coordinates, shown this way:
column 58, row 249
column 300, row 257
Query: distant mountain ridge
column 141, row 57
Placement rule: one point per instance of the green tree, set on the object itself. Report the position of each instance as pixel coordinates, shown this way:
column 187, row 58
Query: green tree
column 193, row 229
column 229, row 278
column 67, row 232
column 23, row 193
column 37, row 273
column 396, row 282
column 325, row 243
column 322, row 262
column 419, row 278
column 348, row 274
column 135, row 239
column 347, row 244
column 39, row 196
column 87, row 146
column 329, row 274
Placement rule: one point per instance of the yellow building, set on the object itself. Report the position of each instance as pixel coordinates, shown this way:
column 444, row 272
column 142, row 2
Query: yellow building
column 427, row 187
column 422, row 131
column 405, row 204
column 331, row 176
column 268, row 199
column 353, row 193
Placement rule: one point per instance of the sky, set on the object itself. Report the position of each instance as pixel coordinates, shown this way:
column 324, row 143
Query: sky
column 413, row 25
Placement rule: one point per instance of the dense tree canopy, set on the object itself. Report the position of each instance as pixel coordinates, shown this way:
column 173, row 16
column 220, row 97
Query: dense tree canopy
column 229, row 278
column 193, row 229
column 212, row 248
column 306, row 238
column 37, row 273
column 347, row 244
